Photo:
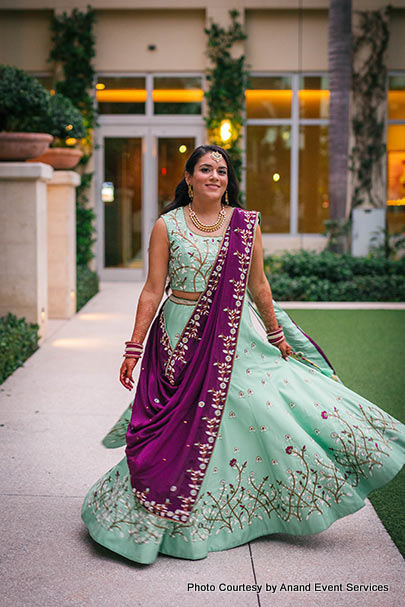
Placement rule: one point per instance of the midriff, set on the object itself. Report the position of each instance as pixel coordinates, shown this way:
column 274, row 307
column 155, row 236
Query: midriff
column 192, row 295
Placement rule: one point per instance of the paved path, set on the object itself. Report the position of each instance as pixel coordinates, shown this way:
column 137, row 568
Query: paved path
column 54, row 412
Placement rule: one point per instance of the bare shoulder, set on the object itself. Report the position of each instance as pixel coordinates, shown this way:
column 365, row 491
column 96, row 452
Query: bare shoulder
column 160, row 229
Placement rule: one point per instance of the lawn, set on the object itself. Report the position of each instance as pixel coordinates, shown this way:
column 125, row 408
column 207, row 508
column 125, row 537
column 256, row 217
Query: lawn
column 367, row 350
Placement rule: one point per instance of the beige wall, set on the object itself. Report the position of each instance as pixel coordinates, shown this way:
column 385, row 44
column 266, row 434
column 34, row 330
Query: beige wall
column 25, row 39
column 123, row 37
column 272, row 42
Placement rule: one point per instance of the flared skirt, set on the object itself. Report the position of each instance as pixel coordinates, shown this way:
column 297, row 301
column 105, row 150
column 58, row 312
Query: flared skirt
column 296, row 451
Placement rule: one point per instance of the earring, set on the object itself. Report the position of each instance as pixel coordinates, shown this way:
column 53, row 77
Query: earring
column 190, row 191
column 226, row 197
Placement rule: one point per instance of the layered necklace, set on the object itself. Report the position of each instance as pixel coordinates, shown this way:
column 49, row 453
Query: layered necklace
column 203, row 226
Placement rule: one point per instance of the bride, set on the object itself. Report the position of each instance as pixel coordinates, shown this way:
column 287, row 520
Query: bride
column 239, row 426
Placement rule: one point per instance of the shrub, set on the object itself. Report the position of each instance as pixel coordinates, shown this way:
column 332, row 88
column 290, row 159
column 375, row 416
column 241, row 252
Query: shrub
column 25, row 105
column 18, row 340
column 62, row 119
column 87, row 285
column 327, row 276
column 23, row 101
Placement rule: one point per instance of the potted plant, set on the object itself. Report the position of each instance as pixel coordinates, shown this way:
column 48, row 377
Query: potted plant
column 23, row 102
column 65, row 122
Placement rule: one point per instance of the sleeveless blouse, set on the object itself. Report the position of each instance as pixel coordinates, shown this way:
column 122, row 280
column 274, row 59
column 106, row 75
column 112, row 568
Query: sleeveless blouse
column 191, row 255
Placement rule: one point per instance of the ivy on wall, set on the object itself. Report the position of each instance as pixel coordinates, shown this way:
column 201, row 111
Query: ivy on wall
column 73, row 51
column 369, row 99
column 227, row 78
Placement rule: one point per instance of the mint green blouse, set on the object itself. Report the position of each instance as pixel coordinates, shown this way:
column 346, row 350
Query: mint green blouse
column 191, row 255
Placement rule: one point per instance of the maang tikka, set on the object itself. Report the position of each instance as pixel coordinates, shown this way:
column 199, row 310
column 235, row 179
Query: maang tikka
column 217, row 156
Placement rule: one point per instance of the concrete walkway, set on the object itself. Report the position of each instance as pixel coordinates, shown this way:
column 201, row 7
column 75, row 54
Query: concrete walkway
column 54, row 412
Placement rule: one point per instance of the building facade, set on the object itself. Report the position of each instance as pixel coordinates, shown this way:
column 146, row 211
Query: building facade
column 150, row 78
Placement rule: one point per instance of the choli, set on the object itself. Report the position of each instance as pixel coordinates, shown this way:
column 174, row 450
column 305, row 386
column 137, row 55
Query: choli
column 191, row 255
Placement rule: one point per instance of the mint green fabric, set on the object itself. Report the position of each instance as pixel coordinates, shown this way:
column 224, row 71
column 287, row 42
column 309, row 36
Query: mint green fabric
column 191, row 255
column 296, row 451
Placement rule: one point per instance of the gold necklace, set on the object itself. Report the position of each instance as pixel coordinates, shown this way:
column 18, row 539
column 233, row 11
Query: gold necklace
column 203, row 226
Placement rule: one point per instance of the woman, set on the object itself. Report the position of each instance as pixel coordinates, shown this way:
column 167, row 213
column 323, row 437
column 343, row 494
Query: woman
column 239, row 426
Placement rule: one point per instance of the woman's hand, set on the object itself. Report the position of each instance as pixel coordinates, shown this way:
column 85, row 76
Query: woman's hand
column 285, row 349
column 127, row 367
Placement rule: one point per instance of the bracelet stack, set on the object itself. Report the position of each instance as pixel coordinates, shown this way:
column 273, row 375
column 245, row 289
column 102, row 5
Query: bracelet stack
column 275, row 337
column 133, row 349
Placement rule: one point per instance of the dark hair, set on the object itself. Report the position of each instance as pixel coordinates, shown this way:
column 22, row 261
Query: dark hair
column 181, row 197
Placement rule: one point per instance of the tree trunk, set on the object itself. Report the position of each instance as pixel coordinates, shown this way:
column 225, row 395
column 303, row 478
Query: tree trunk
column 340, row 69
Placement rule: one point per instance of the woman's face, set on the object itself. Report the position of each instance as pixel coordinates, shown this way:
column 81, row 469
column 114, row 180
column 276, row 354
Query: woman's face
column 210, row 178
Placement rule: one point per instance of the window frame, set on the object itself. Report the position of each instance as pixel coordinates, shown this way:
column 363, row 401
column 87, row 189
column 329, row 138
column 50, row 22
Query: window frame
column 149, row 117
column 294, row 122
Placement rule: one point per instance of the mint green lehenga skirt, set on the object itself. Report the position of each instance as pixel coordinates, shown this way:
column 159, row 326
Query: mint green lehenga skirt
column 296, row 450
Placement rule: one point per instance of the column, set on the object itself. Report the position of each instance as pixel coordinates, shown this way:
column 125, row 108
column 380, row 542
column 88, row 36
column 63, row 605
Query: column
column 61, row 230
column 23, row 241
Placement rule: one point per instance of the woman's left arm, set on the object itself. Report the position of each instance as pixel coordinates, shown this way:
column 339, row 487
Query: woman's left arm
column 261, row 292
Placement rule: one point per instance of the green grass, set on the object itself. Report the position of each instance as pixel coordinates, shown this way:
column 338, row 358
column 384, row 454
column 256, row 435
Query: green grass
column 367, row 350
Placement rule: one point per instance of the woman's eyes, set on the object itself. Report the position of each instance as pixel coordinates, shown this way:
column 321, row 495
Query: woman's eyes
column 206, row 170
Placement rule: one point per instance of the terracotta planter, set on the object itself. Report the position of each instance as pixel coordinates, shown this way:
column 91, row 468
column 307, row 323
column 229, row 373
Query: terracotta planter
column 21, row 146
column 60, row 158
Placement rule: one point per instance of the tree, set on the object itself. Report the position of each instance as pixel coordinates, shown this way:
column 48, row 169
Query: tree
column 340, row 69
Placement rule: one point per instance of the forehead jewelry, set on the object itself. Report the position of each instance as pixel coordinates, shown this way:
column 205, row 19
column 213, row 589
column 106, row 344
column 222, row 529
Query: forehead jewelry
column 217, row 156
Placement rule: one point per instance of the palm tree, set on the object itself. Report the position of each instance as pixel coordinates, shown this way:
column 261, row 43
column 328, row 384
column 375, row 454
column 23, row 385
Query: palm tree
column 340, row 69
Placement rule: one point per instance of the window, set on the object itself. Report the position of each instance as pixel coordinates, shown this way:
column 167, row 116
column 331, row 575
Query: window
column 396, row 153
column 269, row 97
column 287, row 151
column 313, row 165
column 268, row 175
column 158, row 95
column 121, row 95
column 177, row 95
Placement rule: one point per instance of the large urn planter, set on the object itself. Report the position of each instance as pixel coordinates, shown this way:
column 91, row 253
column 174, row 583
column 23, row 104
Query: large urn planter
column 60, row 158
column 22, row 146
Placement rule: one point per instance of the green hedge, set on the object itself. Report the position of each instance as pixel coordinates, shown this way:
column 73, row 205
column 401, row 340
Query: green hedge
column 87, row 285
column 327, row 276
column 18, row 340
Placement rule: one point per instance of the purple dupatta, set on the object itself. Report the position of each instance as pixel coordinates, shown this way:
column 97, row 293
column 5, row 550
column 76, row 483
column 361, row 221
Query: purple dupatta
column 181, row 391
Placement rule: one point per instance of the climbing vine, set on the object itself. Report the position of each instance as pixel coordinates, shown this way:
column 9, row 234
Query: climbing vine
column 369, row 95
column 227, row 78
column 73, row 51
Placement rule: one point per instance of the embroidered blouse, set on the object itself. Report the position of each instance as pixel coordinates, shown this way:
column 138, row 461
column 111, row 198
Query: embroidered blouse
column 191, row 255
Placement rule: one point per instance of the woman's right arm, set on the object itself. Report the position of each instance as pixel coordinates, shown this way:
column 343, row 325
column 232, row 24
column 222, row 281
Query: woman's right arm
column 151, row 294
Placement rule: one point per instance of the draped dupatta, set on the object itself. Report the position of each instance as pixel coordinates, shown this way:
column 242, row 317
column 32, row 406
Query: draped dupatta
column 181, row 391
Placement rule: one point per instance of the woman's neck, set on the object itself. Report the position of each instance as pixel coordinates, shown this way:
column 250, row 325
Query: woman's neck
column 206, row 208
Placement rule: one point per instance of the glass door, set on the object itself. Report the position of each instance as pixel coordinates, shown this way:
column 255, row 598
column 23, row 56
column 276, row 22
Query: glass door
column 122, row 200
column 138, row 169
column 172, row 156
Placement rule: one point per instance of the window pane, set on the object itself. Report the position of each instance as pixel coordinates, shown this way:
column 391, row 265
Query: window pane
column 396, row 178
column 396, row 98
column 313, row 204
column 122, row 196
column 172, row 156
column 314, row 97
column 269, row 97
column 121, row 95
column 173, row 95
column 268, row 175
